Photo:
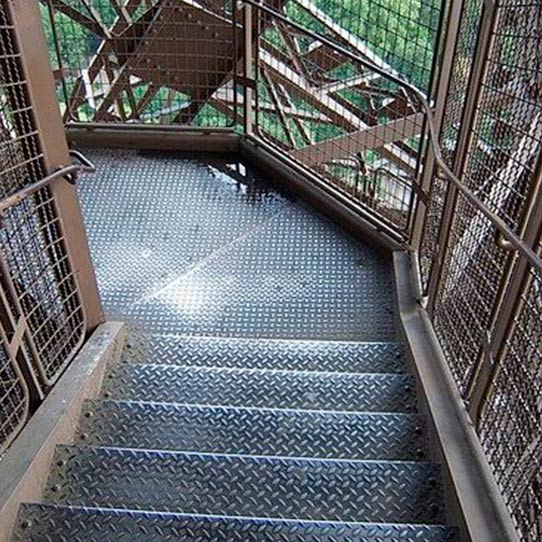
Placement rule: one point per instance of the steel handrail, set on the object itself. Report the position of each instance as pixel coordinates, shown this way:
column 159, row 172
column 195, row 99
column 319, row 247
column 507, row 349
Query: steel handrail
column 514, row 240
column 70, row 173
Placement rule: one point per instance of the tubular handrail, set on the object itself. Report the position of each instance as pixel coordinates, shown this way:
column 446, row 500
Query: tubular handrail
column 513, row 239
column 70, row 172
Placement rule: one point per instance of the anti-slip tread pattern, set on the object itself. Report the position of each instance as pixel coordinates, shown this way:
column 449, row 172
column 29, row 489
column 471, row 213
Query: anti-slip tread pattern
column 227, row 430
column 275, row 354
column 247, row 486
column 47, row 523
column 255, row 388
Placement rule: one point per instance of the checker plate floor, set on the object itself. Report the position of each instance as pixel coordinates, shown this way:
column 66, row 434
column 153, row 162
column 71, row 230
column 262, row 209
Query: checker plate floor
column 206, row 247
column 228, row 430
column 408, row 492
column 48, row 523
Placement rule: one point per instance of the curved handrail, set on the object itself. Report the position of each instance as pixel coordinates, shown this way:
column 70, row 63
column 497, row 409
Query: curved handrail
column 70, row 172
column 514, row 240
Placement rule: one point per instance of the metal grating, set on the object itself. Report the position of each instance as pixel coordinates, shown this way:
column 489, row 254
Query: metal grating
column 468, row 290
column 142, row 62
column 43, row 282
column 14, row 398
column 464, row 56
column 349, row 125
column 20, row 153
column 510, row 427
column 486, row 300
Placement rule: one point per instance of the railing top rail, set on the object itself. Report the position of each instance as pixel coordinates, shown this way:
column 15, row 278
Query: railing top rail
column 514, row 241
column 70, row 172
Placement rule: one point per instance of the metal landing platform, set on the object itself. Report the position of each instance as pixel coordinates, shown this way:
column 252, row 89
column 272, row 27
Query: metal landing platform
column 205, row 246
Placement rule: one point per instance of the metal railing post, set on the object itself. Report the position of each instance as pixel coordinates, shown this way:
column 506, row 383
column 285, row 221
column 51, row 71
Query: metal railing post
column 465, row 138
column 41, row 90
column 442, row 89
column 248, row 63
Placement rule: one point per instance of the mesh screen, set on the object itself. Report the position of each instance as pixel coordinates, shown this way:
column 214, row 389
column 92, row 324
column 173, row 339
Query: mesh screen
column 36, row 267
column 144, row 62
column 511, row 426
column 462, row 64
column 353, row 128
column 502, row 166
column 20, row 156
column 13, row 399
column 33, row 246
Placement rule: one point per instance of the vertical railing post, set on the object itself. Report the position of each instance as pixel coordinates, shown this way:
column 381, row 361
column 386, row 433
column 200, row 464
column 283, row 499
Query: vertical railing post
column 465, row 138
column 41, row 90
column 442, row 89
column 248, row 62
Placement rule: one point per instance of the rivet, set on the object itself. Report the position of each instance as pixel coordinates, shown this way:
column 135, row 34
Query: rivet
column 83, row 436
column 25, row 524
column 55, row 488
column 89, row 414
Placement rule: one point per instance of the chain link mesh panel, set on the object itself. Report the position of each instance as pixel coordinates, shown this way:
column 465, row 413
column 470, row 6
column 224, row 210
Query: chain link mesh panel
column 167, row 62
column 511, row 424
column 347, row 124
column 501, row 165
column 42, row 321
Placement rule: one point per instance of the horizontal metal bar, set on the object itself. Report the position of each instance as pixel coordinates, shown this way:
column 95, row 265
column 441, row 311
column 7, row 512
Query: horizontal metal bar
column 71, row 172
column 132, row 126
column 515, row 240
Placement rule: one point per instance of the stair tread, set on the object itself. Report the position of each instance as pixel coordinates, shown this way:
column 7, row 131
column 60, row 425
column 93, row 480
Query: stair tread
column 259, row 353
column 260, row 388
column 315, row 489
column 45, row 522
column 229, row 430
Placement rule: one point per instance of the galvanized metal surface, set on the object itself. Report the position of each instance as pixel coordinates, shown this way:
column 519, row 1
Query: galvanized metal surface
column 257, row 388
column 246, row 485
column 48, row 523
column 276, row 354
column 228, row 430
column 210, row 249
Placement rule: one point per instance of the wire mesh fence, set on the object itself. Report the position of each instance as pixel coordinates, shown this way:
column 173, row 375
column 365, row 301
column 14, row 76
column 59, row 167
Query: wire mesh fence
column 510, row 426
column 349, row 125
column 41, row 320
column 145, row 62
column 479, row 318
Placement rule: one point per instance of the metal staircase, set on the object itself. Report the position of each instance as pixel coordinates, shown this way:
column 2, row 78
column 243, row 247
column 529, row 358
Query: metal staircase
column 247, row 439
column 285, row 413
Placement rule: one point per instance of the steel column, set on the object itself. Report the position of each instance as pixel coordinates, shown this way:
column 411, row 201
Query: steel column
column 465, row 139
column 449, row 48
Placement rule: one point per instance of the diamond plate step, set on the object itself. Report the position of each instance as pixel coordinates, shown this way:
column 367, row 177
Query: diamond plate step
column 247, row 486
column 328, row 356
column 49, row 523
column 161, row 426
column 255, row 388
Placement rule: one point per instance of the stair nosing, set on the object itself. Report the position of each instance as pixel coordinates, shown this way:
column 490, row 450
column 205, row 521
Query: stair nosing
column 249, row 457
column 204, row 406
column 217, row 517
